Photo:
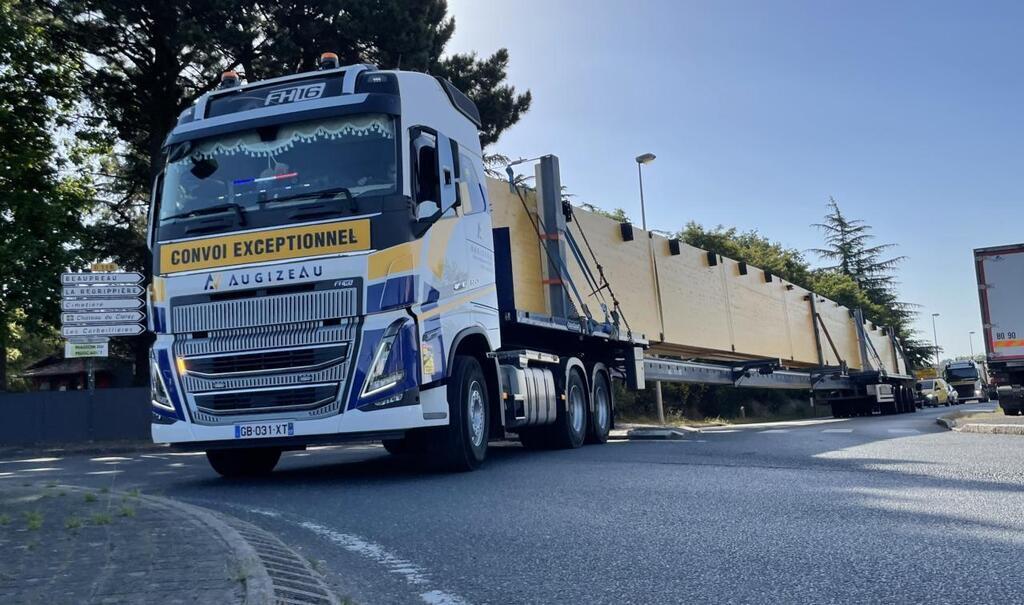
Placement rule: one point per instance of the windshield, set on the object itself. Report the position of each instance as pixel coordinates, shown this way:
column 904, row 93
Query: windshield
column 961, row 373
column 927, row 385
column 341, row 158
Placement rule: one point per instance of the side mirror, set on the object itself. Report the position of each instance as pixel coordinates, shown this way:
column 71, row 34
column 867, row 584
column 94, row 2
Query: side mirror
column 427, row 210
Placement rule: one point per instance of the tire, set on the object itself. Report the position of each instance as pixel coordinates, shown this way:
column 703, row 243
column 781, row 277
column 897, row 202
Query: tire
column 600, row 418
column 410, row 445
column 1011, row 411
column 535, row 438
column 462, row 445
column 244, row 462
column 570, row 428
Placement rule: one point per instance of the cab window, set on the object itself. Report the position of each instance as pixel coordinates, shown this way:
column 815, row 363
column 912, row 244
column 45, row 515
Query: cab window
column 471, row 190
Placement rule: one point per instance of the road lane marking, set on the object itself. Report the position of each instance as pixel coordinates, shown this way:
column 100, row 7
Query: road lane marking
column 837, row 431
column 774, row 431
column 413, row 574
column 903, row 431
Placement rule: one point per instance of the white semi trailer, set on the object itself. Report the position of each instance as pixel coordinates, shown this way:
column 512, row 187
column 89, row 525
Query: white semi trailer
column 1000, row 272
column 331, row 264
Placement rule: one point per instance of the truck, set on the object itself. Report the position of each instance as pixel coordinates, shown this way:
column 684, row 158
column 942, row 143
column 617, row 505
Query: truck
column 1000, row 275
column 969, row 378
column 331, row 262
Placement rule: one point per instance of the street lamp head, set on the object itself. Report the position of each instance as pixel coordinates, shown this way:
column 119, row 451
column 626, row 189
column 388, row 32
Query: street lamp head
column 646, row 158
column 935, row 314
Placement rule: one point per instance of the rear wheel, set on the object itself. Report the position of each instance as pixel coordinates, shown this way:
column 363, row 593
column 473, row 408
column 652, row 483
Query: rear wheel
column 244, row 462
column 570, row 426
column 462, row 445
column 601, row 417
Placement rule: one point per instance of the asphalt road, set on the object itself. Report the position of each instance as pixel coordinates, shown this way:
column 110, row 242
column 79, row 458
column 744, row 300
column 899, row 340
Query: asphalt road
column 883, row 509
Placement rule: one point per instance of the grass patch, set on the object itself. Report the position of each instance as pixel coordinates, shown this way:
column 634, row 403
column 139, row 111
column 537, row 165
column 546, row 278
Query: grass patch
column 33, row 520
column 90, row 497
column 5, row 519
column 126, row 511
column 101, row 519
column 133, row 493
column 72, row 523
column 104, row 490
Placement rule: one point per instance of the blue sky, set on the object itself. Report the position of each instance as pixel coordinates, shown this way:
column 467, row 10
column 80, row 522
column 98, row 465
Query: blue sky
column 908, row 113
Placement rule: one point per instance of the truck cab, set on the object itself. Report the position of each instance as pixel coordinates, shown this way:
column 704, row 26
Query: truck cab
column 968, row 379
column 322, row 262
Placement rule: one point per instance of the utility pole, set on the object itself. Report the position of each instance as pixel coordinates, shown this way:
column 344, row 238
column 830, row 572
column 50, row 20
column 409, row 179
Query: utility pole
column 970, row 337
column 935, row 341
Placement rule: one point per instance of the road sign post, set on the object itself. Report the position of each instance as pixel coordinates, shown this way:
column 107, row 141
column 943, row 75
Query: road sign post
column 97, row 306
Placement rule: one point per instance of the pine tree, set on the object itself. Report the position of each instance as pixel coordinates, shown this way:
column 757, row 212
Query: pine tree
column 847, row 246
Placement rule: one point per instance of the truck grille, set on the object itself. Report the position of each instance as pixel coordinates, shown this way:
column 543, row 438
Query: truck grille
column 270, row 400
column 269, row 372
column 263, row 311
column 268, row 361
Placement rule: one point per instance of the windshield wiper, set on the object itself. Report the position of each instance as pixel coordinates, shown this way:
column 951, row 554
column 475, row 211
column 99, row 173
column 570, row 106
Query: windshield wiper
column 316, row 195
column 211, row 210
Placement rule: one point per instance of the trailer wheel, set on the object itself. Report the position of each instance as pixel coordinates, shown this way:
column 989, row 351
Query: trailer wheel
column 600, row 420
column 244, row 462
column 570, row 428
column 462, row 445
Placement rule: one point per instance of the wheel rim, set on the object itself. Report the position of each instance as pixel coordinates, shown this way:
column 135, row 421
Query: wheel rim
column 601, row 412
column 576, row 412
column 477, row 414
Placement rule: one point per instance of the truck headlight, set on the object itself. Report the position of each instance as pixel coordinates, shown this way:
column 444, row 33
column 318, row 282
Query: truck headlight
column 157, row 389
column 386, row 369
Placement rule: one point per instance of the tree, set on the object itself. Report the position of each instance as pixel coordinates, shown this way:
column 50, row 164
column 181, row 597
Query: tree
column 750, row 247
column 846, row 244
column 40, row 210
column 145, row 61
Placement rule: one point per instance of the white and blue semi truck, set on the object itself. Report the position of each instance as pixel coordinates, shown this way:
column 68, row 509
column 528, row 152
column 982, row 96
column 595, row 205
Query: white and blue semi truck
column 330, row 263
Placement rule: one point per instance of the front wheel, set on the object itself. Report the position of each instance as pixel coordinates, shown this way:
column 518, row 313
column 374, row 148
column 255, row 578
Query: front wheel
column 462, row 445
column 244, row 462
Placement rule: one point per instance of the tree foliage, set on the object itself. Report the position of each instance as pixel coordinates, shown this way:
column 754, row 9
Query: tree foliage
column 859, row 277
column 40, row 209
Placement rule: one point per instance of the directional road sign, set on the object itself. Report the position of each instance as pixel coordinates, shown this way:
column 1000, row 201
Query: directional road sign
column 86, row 349
column 92, row 340
column 101, row 317
column 94, row 291
column 100, row 304
column 102, row 330
column 75, row 279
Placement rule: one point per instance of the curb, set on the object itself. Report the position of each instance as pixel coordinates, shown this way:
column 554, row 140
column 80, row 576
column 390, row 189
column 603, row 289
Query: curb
column 259, row 588
column 86, row 449
column 954, row 424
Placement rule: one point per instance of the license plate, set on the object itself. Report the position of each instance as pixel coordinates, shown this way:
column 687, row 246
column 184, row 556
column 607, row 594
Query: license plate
column 260, row 430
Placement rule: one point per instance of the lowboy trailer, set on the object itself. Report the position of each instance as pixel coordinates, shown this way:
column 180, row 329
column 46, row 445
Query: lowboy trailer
column 331, row 263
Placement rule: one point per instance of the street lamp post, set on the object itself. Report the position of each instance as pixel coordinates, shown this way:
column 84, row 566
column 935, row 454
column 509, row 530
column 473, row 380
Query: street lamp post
column 935, row 340
column 642, row 159
column 646, row 158
column 970, row 337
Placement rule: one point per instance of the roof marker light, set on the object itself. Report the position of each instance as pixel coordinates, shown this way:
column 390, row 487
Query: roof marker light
column 229, row 79
column 328, row 61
